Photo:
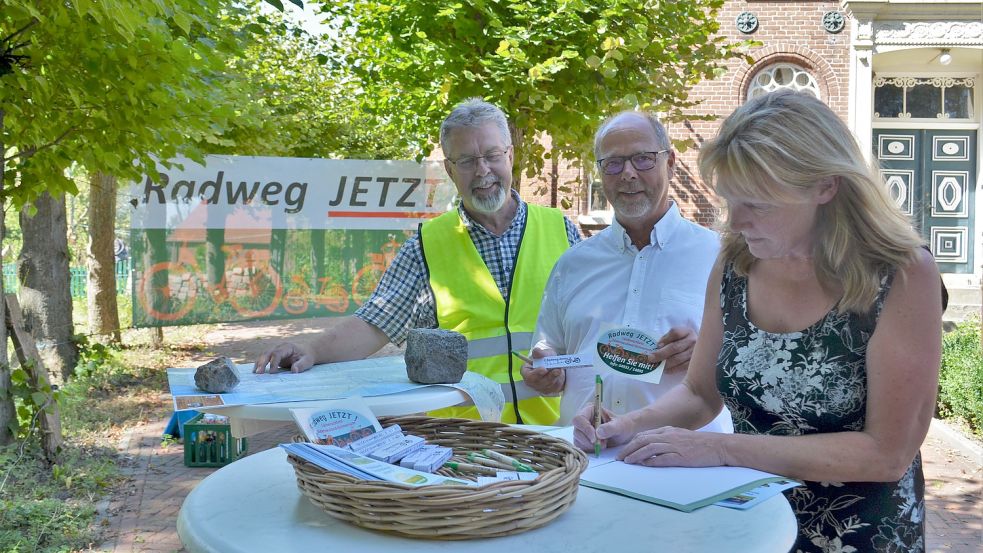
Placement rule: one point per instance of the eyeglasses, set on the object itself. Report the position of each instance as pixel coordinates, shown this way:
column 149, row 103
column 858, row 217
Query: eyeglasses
column 469, row 163
column 642, row 161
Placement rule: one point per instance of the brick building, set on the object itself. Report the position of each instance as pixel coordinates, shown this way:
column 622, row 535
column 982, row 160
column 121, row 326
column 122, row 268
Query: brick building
column 905, row 75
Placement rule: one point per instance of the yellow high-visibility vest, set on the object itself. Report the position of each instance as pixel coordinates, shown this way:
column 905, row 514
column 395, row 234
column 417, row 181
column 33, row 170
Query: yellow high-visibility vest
column 468, row 301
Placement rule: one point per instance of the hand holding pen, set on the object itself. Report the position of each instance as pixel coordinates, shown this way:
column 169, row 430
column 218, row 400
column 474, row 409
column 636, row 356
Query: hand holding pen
column 544, row 381
column 613, row 431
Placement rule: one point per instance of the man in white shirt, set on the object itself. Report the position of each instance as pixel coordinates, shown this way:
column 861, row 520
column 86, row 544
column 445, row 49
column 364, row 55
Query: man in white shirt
column 647, row 271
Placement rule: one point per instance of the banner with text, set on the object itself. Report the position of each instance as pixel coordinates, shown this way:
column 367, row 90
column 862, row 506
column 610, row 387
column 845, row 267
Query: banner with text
column 245, row 238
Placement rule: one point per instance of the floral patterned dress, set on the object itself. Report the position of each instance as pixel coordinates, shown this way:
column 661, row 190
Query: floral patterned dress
column 810, row 382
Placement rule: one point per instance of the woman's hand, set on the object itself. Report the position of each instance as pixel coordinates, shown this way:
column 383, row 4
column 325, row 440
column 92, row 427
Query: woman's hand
column 674, row 447
column 614, row 430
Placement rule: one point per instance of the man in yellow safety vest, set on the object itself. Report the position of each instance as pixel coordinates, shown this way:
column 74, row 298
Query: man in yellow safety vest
column 479, row 270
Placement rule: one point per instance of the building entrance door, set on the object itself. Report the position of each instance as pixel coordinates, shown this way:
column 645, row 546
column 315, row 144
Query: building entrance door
column 930, row 175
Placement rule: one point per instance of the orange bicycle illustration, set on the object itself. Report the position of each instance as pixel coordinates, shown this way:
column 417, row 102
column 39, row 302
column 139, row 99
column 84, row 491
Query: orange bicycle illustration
column 168, row 290
column 369, row 276
column 330, row 295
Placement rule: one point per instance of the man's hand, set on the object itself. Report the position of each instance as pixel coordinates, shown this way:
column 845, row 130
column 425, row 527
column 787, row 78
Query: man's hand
column 285, row 355
column 675, row 348
column 613, row 431
column 543, row 381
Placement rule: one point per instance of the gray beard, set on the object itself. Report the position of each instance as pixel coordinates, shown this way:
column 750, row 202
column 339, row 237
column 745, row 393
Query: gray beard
column 492, row 203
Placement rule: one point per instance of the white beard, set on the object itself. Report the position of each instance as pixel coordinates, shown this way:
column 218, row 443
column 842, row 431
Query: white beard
column 492, row 203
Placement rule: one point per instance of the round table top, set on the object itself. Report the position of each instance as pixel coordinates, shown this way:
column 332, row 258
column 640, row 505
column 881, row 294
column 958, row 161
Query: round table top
column 254, row 505
column 417, row 400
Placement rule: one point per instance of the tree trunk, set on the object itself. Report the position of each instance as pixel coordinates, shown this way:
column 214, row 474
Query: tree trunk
column 103, row 311
column 518, row 154
column 45, row 292
column 554, row 177
column 7, row 413
column 155, row 251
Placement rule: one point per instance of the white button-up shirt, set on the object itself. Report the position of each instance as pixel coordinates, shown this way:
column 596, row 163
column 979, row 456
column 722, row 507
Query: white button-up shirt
column 606, row 281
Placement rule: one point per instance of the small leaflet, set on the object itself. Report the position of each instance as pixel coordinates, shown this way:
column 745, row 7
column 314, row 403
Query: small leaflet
column 339, row 422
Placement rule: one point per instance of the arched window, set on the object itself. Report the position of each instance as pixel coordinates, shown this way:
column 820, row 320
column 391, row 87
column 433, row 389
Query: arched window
column 782, row 75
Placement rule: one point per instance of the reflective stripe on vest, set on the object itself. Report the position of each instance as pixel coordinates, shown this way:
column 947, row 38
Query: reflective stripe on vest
column 486, row 347
column 468, row 301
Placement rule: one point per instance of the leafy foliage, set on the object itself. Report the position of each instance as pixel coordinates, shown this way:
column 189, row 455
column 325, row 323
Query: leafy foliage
column 308, row 107
column 29, row 401
column 961, row 375
column 104, row 84
column 554, row 67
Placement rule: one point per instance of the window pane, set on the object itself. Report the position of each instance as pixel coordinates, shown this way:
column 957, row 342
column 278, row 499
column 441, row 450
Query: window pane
column 783, row 76
column 887, row 100
column 597, row 200
column 959, row 102
column 924, row 100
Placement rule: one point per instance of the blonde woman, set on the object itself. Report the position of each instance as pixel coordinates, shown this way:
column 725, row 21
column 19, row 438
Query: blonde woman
column 821, row 333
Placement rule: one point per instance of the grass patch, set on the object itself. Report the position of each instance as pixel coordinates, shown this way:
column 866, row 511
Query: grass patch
column 55, row 509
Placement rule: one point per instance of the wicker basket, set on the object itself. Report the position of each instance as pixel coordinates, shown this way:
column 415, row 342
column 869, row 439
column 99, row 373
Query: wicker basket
column 453, row 512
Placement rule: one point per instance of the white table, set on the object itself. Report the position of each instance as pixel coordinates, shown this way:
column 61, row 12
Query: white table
column 247, row 420
column 254, row 505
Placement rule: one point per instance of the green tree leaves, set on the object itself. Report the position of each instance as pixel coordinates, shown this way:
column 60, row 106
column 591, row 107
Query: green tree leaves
column 112, row 84
column 555, row 67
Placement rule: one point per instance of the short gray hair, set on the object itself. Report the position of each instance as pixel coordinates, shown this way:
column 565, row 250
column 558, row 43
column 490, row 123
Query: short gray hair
column 473, row 113
column 661, row 136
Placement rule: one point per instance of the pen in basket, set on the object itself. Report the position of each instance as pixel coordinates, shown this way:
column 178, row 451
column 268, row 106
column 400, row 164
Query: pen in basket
column 465, row 467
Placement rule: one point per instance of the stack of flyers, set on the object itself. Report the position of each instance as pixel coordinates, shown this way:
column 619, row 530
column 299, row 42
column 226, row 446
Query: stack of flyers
column 428, row 458
column 388, row 472
column 394, row 451
column 317, row 456
column 370, row 443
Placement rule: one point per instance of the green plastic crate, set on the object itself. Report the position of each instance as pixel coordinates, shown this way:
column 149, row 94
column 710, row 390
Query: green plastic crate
column 209, row 444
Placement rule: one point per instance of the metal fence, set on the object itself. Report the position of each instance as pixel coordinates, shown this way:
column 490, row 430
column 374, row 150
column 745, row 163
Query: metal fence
column 78, row 279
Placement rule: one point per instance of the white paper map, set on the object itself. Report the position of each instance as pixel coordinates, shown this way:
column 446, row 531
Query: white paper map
column 377, row 376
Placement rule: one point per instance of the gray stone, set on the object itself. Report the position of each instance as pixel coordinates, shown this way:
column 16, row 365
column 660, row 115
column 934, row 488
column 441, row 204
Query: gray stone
column 217, row 376
column 436, row 356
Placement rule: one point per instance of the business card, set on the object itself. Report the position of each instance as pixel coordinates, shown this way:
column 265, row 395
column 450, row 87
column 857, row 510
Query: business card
column 573, row 361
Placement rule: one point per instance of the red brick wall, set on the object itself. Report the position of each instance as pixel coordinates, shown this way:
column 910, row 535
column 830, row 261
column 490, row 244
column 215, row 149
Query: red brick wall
column 790, row 32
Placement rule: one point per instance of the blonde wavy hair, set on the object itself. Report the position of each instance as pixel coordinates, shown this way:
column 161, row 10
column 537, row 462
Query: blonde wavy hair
column 779, row 145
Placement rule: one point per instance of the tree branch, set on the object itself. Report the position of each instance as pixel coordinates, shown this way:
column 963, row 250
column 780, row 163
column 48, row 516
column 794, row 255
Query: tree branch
column 28, row 153
column 12, row 36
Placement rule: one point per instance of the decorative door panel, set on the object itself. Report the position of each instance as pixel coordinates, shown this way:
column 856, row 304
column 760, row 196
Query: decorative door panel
column 930, row 175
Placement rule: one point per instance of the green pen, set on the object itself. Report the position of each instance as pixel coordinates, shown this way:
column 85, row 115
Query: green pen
column 517, row 465
column 597, row 413
column 485, row 461
column 465, row 467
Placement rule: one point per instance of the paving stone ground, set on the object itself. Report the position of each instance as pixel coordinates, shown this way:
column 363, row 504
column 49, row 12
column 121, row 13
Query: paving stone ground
column 144, row 518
